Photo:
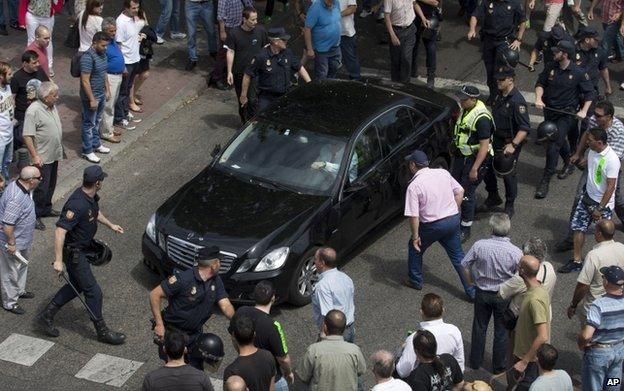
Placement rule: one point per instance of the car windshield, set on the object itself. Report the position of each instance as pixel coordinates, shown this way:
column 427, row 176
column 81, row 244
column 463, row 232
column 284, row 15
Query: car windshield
column 285, row 157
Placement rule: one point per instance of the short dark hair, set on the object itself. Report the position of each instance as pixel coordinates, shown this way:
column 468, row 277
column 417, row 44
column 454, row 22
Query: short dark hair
column 336, row 322
column 247, row 11
column 263, row 292
column 328, row 256
column 606, row 106
column 175, row 342
column 547, row 356
column 599, row 134
column 100, row 36
column 128, row 3
column 29, row 56
column 432, row 306
column 88, row 185
column 242, row 329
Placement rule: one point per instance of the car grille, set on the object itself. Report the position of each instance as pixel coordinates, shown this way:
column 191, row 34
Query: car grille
column 185, row 254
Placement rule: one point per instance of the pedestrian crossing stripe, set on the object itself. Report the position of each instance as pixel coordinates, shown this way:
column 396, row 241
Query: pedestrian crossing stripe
column 109, row 370
column 23, row 350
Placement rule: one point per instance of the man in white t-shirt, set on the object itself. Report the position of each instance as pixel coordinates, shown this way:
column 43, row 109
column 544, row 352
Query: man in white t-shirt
column 7, row 118
column 598, row 201
column 128, row 38
column 382, row 367
column 348, row 40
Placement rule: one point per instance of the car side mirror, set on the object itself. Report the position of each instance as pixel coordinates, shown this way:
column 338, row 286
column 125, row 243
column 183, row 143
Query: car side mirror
column 216, row 150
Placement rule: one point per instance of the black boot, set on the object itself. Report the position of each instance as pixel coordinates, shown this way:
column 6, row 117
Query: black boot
column 493, row 200
column 46, row 319
column 542, row 188
column 509, row 209
column 431, row 80
column 106, row 335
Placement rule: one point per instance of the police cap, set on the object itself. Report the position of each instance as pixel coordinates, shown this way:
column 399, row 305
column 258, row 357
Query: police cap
column 467, row 92
column 566, row 47
column 558, row 33
column 207, row 254
column 504, row 72
column 278, row 33
column 93, row 174
column 587, row 32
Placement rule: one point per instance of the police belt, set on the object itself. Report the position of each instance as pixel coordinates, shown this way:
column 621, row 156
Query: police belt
column 70, row 252
column 508, row 38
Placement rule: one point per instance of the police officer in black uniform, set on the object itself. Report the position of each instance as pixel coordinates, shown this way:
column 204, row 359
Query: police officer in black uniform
column 593, row 60
column 191, row 296
column 545, row 41
column 561, row 86
column 75, row 230
column 512, row 126
column 499, row 20
column 274, row 68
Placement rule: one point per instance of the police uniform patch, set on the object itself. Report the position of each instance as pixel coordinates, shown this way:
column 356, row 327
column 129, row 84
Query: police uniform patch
column 586, row 76
column 268, row 63
column 508, row 8
column 253, row 60
column 570, row 77
column 69, row 214
column 522, row 109
column 172, row 280
column 491, row 5
column 193, row 290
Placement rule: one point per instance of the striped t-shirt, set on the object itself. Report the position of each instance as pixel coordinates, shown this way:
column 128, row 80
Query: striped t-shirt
column 606, row 315
column 17, row 209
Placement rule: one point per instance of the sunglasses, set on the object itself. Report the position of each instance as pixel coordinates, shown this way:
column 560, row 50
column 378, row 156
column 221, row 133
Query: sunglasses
column 600, row 115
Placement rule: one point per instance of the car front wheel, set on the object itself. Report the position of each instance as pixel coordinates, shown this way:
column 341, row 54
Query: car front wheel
column 304, row 280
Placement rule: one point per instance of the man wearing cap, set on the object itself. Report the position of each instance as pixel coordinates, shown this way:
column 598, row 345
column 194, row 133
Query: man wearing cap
column 545, row 41
column 561, row 86
column 274, row 67
column 592, row 58
column 75, row 230
column 191, row 296
column 602, row 338
column 499, row 20
column 511, row 117
column 472, row 135
column 432, row 205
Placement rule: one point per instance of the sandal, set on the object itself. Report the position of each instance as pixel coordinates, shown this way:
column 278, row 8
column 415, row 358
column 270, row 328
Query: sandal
column 139, row 110
column 138, row 101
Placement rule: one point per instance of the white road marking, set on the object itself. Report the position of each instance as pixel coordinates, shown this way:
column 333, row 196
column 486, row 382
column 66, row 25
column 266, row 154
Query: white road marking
column 110, row 370
column 23, row 350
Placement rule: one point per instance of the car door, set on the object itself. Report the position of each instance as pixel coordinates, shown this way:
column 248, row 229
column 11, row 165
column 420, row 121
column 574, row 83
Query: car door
column 360, row 200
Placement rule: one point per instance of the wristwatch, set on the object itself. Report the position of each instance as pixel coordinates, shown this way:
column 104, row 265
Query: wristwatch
column 514, row 145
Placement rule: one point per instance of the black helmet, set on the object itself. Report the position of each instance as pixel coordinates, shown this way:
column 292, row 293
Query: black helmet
column 508, row 57
column 547, row 131
column 208, row 347
column 503, row 164
column 434, row 25
column 98, row 253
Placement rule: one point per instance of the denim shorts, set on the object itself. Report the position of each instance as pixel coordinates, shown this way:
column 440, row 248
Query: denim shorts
column 582, row 217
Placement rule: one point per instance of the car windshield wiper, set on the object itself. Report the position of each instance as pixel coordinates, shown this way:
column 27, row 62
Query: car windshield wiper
column 277, row 185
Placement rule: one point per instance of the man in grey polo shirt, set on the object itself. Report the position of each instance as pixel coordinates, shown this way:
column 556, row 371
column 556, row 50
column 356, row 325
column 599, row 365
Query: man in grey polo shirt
column 17, row 213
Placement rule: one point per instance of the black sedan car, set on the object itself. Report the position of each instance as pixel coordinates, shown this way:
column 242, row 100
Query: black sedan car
column 322, row 166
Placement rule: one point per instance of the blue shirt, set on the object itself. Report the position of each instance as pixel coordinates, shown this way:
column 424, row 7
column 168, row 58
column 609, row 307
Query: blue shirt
column 493, row 262
column 18, row 209
column 116, row 64
column 334, row 291
column 325, row 25
column 96, row 65
column 606, row 315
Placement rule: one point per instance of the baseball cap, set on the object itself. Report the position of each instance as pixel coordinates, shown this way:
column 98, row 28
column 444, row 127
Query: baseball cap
column 566, row 47
column 614, row 274
column 587, row 32
column 467, row 91
column 93, row 174
column 504, row 72
column 418, row 157
column 208, row 254
column 278, row 33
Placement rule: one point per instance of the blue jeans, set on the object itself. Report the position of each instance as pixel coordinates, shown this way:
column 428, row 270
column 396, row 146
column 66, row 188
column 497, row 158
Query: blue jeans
column 600, row 364
column 91, row 123
column 169, row 15
column 281, row 384
column 613, row 39
column 445, row 231
column 6, row 158
column 13, row 5
column 487, row 304
column 349, row 56
column 326, row 64
column 205, row 12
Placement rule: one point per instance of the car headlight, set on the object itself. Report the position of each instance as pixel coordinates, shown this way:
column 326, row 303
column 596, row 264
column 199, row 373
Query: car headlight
column 150, row 230
column 273, row 260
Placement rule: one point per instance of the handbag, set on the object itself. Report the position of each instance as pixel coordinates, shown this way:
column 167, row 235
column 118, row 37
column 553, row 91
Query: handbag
column 74, row 68
column 509, row 318
column 73, row 36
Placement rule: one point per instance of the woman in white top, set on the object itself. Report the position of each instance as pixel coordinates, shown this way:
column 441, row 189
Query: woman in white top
column 90, row 22
column 144, row 65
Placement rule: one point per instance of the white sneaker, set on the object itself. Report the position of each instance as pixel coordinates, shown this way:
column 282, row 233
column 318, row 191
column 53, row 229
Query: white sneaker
column 160, row 40
column 134, row 119
column 102, row 149
column 365, row 13
column 177, row 35
column 125, row 124
column 622, row 86
column 91, row 157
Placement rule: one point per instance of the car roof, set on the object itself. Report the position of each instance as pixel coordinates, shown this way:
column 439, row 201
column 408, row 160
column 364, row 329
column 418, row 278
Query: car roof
column 334, row 107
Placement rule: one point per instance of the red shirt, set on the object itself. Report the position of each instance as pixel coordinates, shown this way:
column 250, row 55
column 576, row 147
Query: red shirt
column 611, row 10
column 43, row 56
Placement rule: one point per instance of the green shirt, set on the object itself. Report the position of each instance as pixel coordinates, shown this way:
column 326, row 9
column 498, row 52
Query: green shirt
column 534, row 311
column 332, row 364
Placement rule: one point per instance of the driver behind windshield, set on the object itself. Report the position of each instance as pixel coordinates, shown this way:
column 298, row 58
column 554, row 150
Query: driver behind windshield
column 329, row 161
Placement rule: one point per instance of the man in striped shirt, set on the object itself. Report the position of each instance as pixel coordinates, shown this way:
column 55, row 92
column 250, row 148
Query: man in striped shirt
column 602, row 338
column 492, row 262
column 17, row 213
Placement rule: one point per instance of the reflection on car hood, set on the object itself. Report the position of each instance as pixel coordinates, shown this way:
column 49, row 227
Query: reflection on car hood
column 219, row 209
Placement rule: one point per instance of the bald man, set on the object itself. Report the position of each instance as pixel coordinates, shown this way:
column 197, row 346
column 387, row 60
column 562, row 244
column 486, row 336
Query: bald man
column 589, row 287
column 17, row 213
column 40, row 46
column 533, row 326
column 235, row 383
column 382, row 365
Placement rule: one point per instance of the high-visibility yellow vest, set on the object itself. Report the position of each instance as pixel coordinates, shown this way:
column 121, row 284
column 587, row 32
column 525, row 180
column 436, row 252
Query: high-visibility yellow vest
column 467, row 125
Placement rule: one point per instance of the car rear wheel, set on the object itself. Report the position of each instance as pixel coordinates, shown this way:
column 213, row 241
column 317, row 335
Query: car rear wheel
column 304, row 280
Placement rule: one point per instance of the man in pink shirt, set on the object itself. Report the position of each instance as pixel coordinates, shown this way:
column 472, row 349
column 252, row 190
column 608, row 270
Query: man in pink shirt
column 40, row 45
column 432, row 205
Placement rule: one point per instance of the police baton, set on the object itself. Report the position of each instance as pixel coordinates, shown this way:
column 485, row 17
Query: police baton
column 558, row 111
column 84, row 303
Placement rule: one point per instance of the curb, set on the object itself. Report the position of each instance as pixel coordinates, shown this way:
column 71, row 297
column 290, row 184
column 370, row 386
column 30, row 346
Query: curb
column 71, row 177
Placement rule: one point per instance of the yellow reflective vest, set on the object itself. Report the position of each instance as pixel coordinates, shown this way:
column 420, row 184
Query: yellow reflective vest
column 466, row 126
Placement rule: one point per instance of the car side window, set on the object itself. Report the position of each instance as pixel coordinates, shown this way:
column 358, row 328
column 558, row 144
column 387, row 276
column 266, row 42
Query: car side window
column 398, row 124
column 366, row 153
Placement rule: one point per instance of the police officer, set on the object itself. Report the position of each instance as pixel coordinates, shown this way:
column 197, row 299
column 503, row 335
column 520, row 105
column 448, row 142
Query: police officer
column 274, row 67
column 512, row 126
column 561, row 86
column 472, row 135
column 75, row 230
column 499, row 20
column 592, row 59
column 545, row 41
column 191, row 296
